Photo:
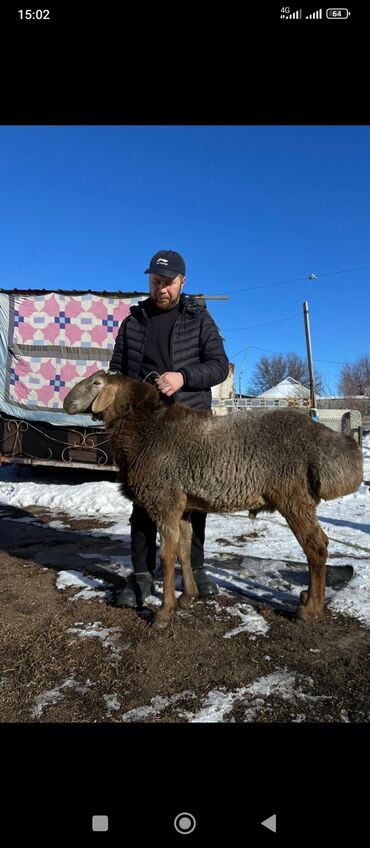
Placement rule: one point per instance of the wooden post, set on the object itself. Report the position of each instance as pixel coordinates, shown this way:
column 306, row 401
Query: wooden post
column 313, row 410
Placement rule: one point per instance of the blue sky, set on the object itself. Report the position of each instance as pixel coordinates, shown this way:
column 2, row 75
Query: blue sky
column 87, row 206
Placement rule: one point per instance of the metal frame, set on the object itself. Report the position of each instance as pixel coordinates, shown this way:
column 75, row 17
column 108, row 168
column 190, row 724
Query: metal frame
column 83, row 439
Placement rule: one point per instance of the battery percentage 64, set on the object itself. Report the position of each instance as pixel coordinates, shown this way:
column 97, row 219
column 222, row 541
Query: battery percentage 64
column 337, row 14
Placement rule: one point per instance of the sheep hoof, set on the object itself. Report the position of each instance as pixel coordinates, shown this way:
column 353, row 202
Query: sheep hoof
column 305, row 613
column 185, row 601
column 160, row 620
column 159, row 625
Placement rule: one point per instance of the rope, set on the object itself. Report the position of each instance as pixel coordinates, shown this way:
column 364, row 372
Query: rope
column 149, row 375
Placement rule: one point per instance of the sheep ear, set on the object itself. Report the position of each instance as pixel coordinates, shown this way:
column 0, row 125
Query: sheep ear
column 104, row 399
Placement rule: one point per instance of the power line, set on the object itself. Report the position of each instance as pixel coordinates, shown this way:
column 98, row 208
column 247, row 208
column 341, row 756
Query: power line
column 300, row 279
column 263, row 349
column 330, row 361
column 280, row 353
column 256, row 326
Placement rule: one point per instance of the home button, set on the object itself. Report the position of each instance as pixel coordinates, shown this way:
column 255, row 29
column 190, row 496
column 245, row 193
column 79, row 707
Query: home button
column 185, row 823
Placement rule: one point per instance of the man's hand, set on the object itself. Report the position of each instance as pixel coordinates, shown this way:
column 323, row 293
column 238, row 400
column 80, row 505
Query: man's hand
column 170, row 382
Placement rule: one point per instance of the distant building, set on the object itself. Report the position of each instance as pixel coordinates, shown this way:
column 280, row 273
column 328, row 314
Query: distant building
column 224, row 392
column 227, row 388
column 288, row 388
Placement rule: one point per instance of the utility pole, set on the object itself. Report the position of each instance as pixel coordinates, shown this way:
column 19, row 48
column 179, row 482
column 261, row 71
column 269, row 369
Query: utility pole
column 242, row 370
column 313, row 410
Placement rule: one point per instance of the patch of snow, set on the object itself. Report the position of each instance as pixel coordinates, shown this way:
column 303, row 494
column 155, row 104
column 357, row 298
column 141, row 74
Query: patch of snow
column 68, row 579
column 107, row 635
column 52, row 696
column 112, row 704
column 156, row 706
column 252, row 621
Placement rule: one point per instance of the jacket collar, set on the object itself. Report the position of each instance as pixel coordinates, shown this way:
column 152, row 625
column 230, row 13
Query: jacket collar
column 186, row 304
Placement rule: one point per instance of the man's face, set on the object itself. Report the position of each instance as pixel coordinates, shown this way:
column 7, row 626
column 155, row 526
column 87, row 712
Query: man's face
column 165, row 291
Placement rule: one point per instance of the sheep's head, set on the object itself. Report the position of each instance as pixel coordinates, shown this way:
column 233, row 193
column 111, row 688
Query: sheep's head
column 93, row 394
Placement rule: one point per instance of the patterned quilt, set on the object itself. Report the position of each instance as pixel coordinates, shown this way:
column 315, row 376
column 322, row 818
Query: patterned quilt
column 48, row 342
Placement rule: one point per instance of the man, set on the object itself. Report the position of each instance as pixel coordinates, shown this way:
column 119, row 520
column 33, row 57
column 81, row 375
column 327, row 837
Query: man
column 171, row 340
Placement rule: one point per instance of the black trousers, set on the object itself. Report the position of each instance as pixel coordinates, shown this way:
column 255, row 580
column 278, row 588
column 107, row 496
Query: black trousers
column 143, row 540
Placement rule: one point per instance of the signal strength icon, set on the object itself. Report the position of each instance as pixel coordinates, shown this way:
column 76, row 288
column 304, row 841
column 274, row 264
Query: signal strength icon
column 293, row 15
column 316, row 16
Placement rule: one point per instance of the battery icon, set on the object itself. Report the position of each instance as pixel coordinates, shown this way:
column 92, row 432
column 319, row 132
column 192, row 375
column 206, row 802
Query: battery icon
column 337, row 14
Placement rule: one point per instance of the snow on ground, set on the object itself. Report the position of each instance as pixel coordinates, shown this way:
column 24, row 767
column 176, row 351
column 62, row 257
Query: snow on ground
column 250, row 559
column 99, row 499
column 109, row 636
column 89, row 585
column 55, row 695
column 253, row 558
column 218, row 704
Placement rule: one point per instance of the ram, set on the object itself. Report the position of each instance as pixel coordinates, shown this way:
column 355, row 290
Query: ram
column 173, row 459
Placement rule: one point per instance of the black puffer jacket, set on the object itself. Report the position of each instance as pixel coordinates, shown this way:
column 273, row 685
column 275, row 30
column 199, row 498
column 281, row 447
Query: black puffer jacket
column 196, row 349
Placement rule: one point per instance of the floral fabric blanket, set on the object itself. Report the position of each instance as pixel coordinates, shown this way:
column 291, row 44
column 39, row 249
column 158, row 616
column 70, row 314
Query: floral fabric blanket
column 49, row 341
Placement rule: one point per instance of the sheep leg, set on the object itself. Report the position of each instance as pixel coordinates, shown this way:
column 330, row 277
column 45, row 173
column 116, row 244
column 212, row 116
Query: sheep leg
column 314, row 542
column 169, row 534
column 184, row 557
column 304, row 594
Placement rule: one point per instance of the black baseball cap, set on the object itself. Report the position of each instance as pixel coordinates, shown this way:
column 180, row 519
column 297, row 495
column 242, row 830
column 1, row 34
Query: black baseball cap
column 166, row 262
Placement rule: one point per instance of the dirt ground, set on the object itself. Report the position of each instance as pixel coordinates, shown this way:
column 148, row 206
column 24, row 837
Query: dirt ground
column 49, row 674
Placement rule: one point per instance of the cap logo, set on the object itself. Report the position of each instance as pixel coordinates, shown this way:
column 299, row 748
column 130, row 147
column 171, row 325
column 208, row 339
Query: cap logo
column 162, row 261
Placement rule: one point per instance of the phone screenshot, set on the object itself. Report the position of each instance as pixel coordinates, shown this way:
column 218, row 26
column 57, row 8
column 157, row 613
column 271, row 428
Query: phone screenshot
column 184, row 425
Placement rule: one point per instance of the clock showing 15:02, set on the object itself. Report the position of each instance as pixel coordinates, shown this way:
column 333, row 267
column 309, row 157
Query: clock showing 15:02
column 34, row 14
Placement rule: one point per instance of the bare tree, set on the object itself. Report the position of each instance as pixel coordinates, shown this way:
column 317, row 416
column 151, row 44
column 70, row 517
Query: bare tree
column 270, row 370
column 355, row 378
